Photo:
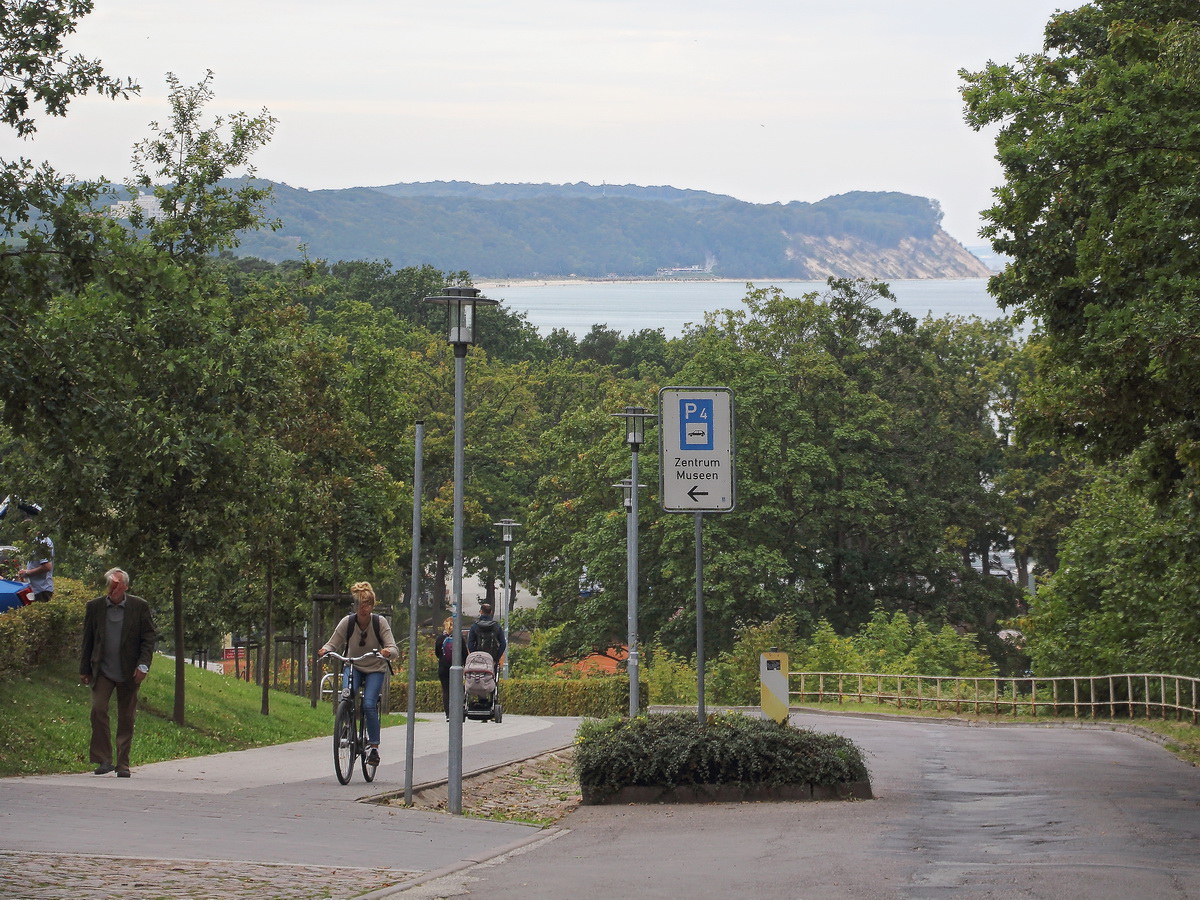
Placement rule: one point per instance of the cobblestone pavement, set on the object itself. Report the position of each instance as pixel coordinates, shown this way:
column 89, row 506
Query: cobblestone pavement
column 69, row 876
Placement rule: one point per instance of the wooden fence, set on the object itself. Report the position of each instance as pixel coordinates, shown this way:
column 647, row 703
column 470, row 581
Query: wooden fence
column 1090, row 696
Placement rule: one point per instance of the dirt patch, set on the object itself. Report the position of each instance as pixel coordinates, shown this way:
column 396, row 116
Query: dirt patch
column 540, row 790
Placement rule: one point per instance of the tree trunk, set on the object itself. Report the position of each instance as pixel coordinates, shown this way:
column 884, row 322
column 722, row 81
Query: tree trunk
column 180, row 662
column 268, row 641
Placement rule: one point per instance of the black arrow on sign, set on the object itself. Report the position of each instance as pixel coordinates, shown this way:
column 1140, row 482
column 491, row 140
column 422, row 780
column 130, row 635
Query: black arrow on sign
column 695, row 492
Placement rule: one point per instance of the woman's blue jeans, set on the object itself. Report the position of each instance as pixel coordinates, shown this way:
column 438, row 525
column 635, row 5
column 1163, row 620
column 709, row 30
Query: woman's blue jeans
column 370, row 704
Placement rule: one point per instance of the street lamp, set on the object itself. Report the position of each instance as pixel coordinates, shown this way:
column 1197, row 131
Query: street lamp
column 506, row 527
column 635, row 435
column 460, row 303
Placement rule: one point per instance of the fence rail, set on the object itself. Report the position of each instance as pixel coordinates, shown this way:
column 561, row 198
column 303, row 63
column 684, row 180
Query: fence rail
column 1088, row 696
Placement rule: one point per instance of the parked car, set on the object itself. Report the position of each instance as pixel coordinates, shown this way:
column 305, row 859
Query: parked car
column 14, row 595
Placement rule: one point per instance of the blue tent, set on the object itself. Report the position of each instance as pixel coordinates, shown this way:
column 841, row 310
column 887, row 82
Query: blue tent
column 14, row 595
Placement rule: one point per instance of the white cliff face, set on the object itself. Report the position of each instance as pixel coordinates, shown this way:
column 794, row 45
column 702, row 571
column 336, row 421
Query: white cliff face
column 939, row 256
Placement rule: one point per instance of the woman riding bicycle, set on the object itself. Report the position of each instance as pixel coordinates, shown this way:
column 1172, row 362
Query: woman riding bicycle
column 373, row 633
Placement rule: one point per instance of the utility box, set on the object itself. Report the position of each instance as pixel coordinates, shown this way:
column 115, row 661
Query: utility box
column 773, row 679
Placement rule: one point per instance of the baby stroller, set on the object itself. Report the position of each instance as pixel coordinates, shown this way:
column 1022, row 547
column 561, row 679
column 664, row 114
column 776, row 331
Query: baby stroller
column 480, row 687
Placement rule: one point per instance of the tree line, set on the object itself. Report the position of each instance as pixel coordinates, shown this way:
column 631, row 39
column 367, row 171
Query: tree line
column 238, row 433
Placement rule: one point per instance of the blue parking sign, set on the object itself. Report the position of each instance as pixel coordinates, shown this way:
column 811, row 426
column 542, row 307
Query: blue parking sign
column 695, row 423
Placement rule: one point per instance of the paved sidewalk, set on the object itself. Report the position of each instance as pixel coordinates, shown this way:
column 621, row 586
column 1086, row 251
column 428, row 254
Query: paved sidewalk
column 267, row 823
column 991, row 812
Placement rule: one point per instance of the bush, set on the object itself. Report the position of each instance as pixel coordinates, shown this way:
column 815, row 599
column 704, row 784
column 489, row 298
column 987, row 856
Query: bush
column 44, row 632
column 596, row 696
column 675, row 749
column 733, row 677
column 671, row 678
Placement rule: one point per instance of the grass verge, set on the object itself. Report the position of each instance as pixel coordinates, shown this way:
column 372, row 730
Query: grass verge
column 46, row 728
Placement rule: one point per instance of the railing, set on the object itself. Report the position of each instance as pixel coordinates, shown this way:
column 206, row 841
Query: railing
column 1150, row 696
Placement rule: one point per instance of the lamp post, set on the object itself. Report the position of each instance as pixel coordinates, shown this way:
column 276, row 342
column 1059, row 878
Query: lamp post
column 635, row 435
column 460, row 303
column 506, row 527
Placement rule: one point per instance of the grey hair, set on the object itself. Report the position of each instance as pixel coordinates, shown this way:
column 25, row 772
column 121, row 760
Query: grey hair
column 111, row 575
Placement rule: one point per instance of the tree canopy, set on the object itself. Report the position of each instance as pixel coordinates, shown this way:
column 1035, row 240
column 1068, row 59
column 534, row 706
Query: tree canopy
column 1100, row 147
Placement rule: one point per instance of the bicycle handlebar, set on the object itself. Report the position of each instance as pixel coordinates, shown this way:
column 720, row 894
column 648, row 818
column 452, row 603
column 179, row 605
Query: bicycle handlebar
column 370, row 654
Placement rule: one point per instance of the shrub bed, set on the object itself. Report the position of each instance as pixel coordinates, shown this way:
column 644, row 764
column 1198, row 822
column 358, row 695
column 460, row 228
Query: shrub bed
column 684, row 759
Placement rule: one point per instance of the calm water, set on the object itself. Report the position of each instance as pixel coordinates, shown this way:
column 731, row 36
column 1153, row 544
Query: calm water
column 670, row 305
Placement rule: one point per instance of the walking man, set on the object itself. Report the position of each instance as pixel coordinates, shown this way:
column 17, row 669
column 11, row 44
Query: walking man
column 118, row 646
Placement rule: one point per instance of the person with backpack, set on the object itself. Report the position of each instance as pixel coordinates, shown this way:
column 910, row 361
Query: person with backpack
column 359, row 633
column 443, row 649
column 487, row 635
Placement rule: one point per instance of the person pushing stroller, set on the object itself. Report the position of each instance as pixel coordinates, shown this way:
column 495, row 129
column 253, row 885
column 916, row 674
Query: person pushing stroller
column 487, row 635
column 485, row 646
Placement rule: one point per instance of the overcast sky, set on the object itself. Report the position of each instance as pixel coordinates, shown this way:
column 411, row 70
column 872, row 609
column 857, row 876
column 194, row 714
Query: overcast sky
column 764, row 100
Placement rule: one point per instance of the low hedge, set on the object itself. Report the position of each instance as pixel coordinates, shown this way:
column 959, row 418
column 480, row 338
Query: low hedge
column 39, row 632
column 675, row 750
column 593, row 697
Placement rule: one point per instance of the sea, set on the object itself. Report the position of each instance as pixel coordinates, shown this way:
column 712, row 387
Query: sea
column 631, row 306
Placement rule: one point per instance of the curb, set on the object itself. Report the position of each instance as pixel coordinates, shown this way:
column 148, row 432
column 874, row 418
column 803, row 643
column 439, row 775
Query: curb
column 545, row 835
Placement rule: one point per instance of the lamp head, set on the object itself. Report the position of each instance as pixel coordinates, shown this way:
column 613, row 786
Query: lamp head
column 460, row 303
column 506, row 527
column 635, row 424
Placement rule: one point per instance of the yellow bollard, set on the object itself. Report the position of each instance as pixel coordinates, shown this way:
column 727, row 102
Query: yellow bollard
column 773, row 680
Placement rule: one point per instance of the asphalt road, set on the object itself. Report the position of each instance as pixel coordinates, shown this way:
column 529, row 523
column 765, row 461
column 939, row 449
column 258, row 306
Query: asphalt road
column 980, row 812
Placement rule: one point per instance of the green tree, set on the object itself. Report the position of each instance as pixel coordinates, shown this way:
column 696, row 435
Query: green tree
column 48, row 238
column 1098, row 212
column 35, row 68
column 1124, row 597
column 185, row 167
column 152, row 380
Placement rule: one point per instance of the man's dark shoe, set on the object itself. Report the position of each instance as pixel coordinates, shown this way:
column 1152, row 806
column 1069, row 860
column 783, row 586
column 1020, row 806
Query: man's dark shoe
column 373, row 756
column 103, row 769
column 123, row 773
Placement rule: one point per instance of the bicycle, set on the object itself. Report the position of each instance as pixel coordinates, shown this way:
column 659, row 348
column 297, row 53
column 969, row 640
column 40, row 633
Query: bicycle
column 349, row 724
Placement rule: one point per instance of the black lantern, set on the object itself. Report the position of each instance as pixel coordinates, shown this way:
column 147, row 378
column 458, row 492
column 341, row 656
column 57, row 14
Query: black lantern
column 460, row 303
column 635, row 425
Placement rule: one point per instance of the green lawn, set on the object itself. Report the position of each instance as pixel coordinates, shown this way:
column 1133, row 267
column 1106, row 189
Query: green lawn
column 45, row 718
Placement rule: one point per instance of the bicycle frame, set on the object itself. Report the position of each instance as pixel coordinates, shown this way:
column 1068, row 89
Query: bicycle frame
column 349, row 724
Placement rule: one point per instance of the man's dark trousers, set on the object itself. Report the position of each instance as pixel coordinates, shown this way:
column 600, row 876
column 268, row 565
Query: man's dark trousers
column 101, row 749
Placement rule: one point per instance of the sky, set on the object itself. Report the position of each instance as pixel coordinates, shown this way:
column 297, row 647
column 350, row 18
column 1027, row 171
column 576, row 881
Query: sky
column 764, row 100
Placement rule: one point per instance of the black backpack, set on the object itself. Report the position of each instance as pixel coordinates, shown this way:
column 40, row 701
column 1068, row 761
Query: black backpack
column 488, row 637
column 350, row 631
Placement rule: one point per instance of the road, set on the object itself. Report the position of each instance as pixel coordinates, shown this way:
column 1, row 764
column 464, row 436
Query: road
column 1020, row 812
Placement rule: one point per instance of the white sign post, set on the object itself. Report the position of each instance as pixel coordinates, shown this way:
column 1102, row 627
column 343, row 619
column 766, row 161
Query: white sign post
column 696, row 475
column 696, row 442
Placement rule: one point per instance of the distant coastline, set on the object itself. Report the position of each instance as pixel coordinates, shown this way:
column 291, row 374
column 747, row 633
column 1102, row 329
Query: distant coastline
column 490, row 283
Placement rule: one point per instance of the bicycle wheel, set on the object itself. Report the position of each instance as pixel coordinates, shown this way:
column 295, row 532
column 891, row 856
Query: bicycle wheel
column 343, row 741
column 368, row 770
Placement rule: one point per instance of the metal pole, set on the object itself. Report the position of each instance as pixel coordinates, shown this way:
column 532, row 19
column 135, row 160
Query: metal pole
column 632, row 590
column 700, row 618
column 414, row 590
column 454, row 773
column 505, row 599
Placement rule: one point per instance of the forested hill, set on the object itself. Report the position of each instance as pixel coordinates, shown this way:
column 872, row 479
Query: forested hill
column 528, row 230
